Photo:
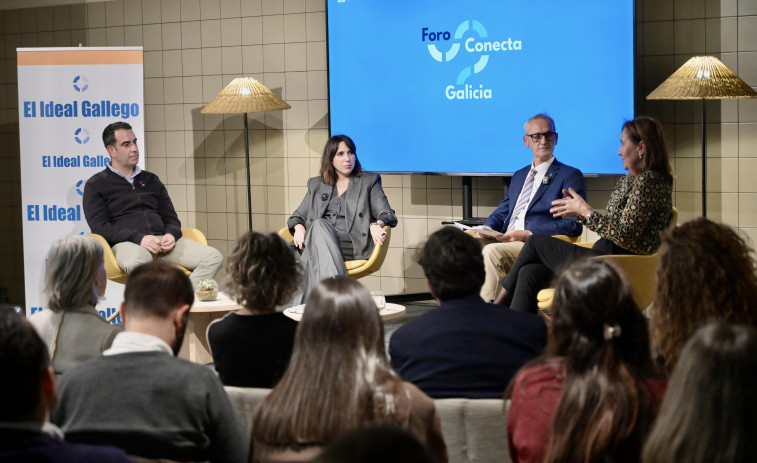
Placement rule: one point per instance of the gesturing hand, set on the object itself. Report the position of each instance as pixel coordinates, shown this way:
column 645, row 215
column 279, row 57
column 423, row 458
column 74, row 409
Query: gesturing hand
column 571, row 205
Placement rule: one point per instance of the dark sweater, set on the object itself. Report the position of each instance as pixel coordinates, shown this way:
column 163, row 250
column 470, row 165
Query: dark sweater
column 251, row 350
column 466, row 348
column 25, row 446
column 121, row 211
column 152, row 405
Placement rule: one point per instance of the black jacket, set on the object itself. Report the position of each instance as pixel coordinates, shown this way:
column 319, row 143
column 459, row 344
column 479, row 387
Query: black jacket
column 121, row 211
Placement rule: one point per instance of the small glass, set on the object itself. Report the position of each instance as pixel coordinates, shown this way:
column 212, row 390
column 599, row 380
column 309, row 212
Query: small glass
column 379, row 300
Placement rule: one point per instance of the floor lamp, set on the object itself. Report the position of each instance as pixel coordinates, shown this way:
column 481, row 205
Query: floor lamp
column 703, row 78
column 245, row 95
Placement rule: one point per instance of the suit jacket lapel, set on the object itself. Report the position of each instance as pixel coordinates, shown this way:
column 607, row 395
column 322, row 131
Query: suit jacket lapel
column 352, row 196
column 320, row 204
column 551, row 172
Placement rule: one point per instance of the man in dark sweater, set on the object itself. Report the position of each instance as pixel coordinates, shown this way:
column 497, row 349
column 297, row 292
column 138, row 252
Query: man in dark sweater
column 131, row 209
column 466, row 347
column 27, row 391
column 139, row 396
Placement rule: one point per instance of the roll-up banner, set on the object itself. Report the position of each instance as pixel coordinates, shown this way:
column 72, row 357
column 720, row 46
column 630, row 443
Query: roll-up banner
column 66, row 97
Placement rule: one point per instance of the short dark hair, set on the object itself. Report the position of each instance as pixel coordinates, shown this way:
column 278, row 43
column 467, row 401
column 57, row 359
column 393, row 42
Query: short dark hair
column 156, row 288
column 23, row 360
column 452, row 263
column 109, row 134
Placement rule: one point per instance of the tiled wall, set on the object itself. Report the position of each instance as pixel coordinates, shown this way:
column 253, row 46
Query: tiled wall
column 194, row 48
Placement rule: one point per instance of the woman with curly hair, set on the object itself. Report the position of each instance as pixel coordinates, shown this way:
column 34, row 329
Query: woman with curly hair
column 706, row 273
column 339, row 380
column 251, row 347
column 709, row 409
column 593, row 395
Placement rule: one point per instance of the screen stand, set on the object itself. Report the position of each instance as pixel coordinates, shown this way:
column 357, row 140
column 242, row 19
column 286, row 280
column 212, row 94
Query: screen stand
column 467, row 191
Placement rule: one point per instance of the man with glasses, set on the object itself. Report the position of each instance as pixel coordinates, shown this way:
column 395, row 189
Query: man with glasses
column 525, row 209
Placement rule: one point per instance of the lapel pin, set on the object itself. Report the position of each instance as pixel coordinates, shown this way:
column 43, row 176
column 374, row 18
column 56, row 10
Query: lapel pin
column 324, row 197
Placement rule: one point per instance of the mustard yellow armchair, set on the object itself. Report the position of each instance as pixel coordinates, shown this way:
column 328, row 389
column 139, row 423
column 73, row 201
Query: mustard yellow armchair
column 358, row 268
column 116, row 274
column 641, row 272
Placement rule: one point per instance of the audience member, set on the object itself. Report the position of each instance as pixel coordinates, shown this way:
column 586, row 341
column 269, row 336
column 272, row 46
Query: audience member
column 27, row 391
column 251, row 347
column 377, row 444
column 483, row 345
column 638, row 210
column 74, row 281
column 709, row 410
column 525, row 210
column 138, row 396
column 339, row 380
column 706, row 274
column 592, row 397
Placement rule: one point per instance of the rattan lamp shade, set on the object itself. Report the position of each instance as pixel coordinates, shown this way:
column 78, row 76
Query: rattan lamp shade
column 702, row 77
column 245, row 95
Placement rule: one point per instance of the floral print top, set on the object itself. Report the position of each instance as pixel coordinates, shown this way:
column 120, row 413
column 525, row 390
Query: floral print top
column 638, row 211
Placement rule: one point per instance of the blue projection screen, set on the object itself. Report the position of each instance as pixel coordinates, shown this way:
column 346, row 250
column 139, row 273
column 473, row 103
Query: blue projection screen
column 445, row 86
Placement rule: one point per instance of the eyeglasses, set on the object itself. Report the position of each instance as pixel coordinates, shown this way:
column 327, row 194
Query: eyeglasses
column 550, row 136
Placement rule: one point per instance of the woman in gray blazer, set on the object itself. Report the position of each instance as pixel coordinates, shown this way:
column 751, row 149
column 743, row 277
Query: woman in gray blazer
column 342, row 215
column 74, row 281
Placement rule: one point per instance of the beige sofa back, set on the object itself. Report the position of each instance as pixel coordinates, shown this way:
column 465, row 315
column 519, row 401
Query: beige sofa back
column 474, row 430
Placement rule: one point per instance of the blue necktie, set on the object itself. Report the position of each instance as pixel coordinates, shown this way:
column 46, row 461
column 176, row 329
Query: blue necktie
column 523, row 199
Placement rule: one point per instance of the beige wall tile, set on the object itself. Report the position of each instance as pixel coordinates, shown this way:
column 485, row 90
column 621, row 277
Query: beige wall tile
column 273, row 29
column 295, row 57
column 747, row 210
column 276, row 172
column 231, row 59
column 171, row 36
column 190, row 10
column 294, row 28
column 316, row 56
column 748, row 140
column 658, row 38
column 723, row 175
column 271, row 7
column 217, row 228
column 175, row 145
column 260, row 198
column 251, row 8
column 210, row 31
column 277, row 200
column 316, row 26
column 210, row 9
column 230, row 8
column 157, row 165
column 236, row 199
column 747, row 176
column 273, row 58
column 231, row 32
column 178, row 195
column 252, row 30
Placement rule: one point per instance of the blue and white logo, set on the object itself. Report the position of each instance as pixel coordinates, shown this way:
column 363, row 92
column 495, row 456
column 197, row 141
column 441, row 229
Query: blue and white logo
column 79, row 186
column 477, row 43
column 81, row 136
column 81, row 84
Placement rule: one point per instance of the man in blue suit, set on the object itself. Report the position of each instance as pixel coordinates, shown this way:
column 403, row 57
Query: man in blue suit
column 465, row 347
column 525, row 209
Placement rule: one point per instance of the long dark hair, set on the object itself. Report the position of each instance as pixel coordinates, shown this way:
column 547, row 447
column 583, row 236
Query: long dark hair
column 598, row 339
column 338, row 378
column 648, row 130
column 706, row 273
column 328, row 172
column 709, row 408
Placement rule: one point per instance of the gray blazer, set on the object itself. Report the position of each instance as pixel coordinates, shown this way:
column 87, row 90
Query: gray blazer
column 366, row 203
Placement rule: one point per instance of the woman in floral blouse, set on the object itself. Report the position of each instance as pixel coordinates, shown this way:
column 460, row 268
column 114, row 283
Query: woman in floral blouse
column 638, row 210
